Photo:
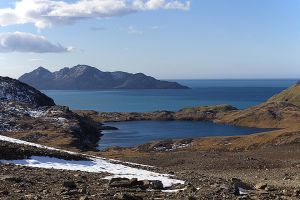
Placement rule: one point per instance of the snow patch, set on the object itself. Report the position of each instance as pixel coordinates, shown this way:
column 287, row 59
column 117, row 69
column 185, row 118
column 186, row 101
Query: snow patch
column 94, row 164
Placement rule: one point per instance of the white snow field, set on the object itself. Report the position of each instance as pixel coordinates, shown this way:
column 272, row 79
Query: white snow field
column 95, row 164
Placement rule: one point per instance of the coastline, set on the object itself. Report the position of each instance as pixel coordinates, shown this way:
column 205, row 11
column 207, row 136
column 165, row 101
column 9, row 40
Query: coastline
column 263, row 165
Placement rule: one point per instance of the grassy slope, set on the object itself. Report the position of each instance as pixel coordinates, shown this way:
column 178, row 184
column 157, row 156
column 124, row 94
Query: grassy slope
column 290, row 95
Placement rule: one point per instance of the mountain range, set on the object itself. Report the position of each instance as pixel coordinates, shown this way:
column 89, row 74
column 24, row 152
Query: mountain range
column 84, row 77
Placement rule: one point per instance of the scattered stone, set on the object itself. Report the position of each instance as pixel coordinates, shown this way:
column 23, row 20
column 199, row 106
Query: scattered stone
column 270, row 188
column 237, row 184
column 156, row 185
column 190, row 188
column 119, row 182
column 192, row 198
column 261, row 186
column 285, row 192
column 296, row 192
column 83, row 198
column 4, row 192
column 125, row 196
column 69, row 184
column 82, row 191
column 146, row 184
column 10, row 178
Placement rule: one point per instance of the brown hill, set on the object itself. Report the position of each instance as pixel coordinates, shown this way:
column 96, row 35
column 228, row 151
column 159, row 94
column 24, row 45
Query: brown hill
column 290, row 95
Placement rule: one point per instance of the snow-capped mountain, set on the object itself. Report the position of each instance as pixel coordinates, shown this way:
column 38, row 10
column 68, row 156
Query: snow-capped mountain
column 83, row 77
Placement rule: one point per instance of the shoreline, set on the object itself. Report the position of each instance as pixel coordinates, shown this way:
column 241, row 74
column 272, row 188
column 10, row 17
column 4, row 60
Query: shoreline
column 260, row 116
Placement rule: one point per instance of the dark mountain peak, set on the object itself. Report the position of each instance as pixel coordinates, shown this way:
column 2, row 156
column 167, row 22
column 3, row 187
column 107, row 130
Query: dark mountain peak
column 141, row 75
column 37, row 76
column 88, row 77
column 84, row 68
column 14, row 90
column 41, row 71
column 76, row 71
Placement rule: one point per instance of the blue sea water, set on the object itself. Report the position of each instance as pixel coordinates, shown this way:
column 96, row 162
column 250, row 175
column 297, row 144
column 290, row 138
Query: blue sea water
column 134, row 133
column 239, row 93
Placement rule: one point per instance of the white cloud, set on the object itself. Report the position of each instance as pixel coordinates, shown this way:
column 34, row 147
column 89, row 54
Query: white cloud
column 134, row 30
column 97, row 28
column 155, row 27
column 46, row 13
column 27, row 42
column 35, row 59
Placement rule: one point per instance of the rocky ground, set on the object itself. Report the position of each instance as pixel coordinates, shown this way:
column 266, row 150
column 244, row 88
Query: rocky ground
column 34, row 183
column 278, row 166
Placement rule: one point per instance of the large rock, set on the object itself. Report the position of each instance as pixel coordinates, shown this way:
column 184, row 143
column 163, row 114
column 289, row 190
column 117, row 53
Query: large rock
column 134, row 183
column 14, row 90
column 83, row 77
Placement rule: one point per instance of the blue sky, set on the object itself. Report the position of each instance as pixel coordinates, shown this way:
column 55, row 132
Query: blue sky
column 203, row 40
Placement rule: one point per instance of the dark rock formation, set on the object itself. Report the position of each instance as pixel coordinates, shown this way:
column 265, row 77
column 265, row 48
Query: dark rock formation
column 83, row 77
column 14, row 90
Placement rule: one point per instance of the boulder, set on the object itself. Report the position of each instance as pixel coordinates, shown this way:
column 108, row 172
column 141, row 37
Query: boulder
column 238, row 184
column 156, row 185
column 261, row 186
column 125, row 196
column 69, row 184
column 119, row 182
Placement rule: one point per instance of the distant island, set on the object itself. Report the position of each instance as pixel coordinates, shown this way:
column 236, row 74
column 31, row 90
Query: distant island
column 84, row 77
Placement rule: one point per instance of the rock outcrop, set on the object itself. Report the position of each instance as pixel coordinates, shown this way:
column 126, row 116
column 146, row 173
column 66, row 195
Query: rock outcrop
column 28, row 114
column 14, row 90
column 84, row 77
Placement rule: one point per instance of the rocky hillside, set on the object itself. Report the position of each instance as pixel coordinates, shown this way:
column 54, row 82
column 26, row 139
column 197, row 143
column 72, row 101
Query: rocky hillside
column 82, row 77
column 267, row 115
column 28, row 114
column 199, row 113
column 13, row 90
column 290, row 95
column 55, row 126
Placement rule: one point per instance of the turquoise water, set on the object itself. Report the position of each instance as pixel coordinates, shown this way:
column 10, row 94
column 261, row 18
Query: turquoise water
column 239, row 93
column 133, row 133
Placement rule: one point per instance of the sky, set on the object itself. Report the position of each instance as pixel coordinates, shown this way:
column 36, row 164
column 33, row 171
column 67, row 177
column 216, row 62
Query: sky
column 167, row 39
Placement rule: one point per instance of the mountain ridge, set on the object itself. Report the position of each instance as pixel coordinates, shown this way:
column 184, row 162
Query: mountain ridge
column 85, row 77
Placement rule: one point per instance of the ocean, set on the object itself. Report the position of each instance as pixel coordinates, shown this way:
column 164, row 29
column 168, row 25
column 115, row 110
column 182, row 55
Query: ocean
column 239, row 93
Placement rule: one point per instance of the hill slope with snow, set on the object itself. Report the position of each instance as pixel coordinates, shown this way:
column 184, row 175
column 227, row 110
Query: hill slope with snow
column 14, row 90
